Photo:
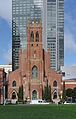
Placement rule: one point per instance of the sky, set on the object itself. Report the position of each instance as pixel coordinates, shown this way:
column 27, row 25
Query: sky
column 69, row 32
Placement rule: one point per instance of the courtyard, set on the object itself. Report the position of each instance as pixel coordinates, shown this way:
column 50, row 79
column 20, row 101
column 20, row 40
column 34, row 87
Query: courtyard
column 38, row 112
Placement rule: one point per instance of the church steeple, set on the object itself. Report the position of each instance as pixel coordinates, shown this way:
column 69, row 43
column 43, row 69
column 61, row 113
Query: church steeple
column 34, row 30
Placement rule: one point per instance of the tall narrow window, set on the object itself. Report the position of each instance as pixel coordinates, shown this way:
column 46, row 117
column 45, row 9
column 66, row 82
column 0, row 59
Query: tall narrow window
column 55, row 84
column 32, row 37
column 34, row 72
column 37, row 36
column 14, row 84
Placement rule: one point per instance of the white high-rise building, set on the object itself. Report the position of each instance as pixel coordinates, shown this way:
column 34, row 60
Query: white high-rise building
column 55, row 32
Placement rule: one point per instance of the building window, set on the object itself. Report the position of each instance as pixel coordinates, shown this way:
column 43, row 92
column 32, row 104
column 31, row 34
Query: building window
column 32, row 36
column 34, row 72
column 13, row 95
column 37, row 45
column 14, row 84
column 63, row 74
column 55, row 84
column 37, row 36
column 31, row 44
column 34, row 95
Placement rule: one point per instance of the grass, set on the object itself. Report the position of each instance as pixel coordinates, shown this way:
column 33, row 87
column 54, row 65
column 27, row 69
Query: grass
column 38, row 112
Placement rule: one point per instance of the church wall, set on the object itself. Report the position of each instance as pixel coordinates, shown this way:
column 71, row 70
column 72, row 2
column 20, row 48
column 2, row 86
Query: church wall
column 14, row 76
column 34, row 56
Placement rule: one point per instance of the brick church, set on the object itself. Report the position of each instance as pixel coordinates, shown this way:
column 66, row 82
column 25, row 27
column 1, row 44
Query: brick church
column 34, row 70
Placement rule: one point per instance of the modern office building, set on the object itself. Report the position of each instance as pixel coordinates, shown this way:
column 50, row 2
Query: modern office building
column 51, row 13
column 23, row 11
column 55, row 32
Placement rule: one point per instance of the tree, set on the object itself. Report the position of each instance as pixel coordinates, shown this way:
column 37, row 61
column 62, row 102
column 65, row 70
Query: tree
column 74, row 94
column 64, row 92
column 20, row 94
column 47, row 92
column 69, row 92
column 64, row 95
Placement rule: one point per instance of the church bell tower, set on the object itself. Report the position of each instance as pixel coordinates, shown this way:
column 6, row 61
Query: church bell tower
column 35, row 59
column 34, row 40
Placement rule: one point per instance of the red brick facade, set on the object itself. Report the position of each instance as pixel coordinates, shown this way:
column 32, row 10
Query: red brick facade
column 34, row 69
column 3, row 84
column 69, row 84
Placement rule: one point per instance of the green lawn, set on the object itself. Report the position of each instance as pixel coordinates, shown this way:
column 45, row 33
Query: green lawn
column 38, row 112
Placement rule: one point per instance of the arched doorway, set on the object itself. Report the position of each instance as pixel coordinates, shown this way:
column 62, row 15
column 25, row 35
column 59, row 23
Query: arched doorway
column 14, row 95
column 34, row 95
column 55, row 95
column 55, row 88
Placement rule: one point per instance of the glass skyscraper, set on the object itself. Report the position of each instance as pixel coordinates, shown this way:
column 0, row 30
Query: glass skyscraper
column 23, row 11
column 51, row 13
column 55, row 32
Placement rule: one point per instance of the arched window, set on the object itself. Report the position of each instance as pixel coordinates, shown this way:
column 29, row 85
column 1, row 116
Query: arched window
column 37, row 36
column 55, row 84
column 14, row 84
column 55, row 95
column 34, row 72
column 34, row 95
column 13, row 95
column 32, row 37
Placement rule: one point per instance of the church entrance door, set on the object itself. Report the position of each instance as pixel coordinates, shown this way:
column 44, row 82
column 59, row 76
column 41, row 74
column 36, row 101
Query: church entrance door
column 34, row 95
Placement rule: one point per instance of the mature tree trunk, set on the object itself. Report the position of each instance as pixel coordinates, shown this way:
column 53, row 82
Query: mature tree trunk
column 20, row 94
